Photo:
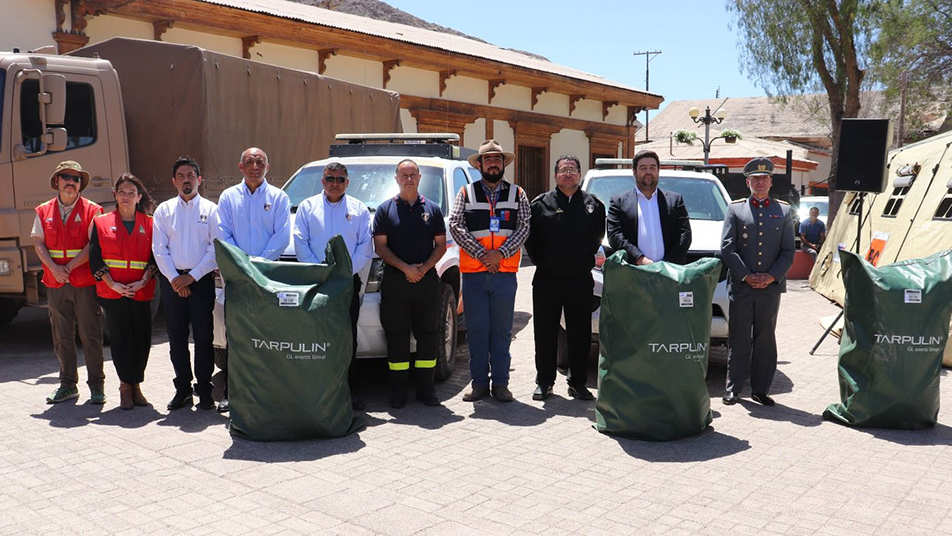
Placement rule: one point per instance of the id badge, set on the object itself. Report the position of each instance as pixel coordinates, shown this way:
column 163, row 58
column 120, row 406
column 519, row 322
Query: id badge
column 494, row 224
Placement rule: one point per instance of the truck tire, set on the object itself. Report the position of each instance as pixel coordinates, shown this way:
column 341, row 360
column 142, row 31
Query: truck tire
column 446, row 352
column 9, row 310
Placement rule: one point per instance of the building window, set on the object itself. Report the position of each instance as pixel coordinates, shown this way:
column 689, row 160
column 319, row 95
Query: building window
column 533, row 176
column 944, row 212
column 895, row 201
column 80, row 116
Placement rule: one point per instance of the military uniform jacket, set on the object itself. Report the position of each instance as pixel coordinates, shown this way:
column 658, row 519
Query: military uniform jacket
column 758, row 238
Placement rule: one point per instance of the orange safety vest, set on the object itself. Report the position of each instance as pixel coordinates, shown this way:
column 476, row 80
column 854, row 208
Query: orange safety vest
column 126, row 256
column 478, row 212
column 66, row 240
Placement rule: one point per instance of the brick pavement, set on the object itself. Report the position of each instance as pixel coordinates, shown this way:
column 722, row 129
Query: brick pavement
column 485, row 468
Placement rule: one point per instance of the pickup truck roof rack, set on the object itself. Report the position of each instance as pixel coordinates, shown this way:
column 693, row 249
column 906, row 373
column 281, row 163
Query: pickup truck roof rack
column 439, row 145
column 688, row 165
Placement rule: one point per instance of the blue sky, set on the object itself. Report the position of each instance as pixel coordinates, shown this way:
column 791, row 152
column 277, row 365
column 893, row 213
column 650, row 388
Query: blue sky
column 699, row 50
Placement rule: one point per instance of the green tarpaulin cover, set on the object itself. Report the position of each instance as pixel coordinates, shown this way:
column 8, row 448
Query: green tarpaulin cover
column 289, row 345
column 655, row 330
column 896, row 321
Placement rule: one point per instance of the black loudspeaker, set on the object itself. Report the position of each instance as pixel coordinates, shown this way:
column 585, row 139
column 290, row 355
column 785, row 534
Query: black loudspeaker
column 861, row 166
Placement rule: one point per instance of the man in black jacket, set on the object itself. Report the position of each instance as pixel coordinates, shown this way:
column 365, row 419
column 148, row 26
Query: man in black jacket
column 565, row 232
column 648, row 223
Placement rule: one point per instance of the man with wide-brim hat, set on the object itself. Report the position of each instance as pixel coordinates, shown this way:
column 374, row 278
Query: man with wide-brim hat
column 490, row 222
column 60, row 234
column 757, row 245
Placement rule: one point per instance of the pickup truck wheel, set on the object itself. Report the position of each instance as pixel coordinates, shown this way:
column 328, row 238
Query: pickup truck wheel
column 446, row 353
column 9, row 310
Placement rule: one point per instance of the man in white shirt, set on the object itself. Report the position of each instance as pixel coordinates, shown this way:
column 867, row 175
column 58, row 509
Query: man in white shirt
column 325, row 215
column 255, row 217
column 650, row 224
column 183, row 243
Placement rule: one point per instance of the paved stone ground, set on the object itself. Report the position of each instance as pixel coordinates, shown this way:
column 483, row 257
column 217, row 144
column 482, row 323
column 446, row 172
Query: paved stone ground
column 485, row 468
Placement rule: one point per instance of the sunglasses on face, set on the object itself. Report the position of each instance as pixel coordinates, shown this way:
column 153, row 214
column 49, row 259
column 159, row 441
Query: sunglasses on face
column 74, row 178
column 333, row 179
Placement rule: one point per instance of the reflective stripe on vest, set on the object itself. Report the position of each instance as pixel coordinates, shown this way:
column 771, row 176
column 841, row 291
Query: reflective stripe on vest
column 115, row 263
column 65, row 240
column 425, row 364
column 478, row 218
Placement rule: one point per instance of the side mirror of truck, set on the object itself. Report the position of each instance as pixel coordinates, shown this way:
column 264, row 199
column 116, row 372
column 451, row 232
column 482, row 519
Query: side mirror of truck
column 55, row 139
column 53, row 98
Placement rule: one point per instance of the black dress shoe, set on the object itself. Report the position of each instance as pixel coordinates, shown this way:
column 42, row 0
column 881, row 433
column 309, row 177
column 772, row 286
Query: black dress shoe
column 581, row 393
column 180, row 400
column 356, row 402
column 762, row 399
column 223, row 405
column 542, row 392
column 206, row 402
column 730, row 398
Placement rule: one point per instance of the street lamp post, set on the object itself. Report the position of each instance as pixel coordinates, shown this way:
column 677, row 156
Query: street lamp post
column 717, row 118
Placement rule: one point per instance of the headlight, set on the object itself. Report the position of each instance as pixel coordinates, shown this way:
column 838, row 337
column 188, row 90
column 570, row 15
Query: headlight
column 6, row 267
column 375, row 276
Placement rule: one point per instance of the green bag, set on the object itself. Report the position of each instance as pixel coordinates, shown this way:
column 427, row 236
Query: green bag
column 289, row 345
column 655, row 330
column 896, row 322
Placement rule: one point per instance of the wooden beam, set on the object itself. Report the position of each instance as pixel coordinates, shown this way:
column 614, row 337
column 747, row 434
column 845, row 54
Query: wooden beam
column 322, row 56
column 573, row 100
column 493, row 84
column 633, row 112
column 387, row 67
column 59, row 7
column 159, row 27
column 605, row 106
column 536, row 91
column 67, row 41
column 246, row 44
column 444, row 76
column 232, row 22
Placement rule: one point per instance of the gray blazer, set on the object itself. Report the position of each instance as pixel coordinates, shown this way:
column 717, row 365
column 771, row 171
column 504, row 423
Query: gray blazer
column 758, row 240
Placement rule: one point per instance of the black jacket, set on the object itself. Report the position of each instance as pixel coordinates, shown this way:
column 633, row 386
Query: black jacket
column 564, row 236
column 675, row 225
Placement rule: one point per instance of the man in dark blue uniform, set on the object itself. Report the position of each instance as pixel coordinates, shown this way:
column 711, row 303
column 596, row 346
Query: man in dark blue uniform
column 757, row 246
column 410, row 236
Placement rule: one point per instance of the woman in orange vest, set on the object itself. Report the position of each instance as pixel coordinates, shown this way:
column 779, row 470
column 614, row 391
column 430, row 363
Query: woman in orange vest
column 120, row 256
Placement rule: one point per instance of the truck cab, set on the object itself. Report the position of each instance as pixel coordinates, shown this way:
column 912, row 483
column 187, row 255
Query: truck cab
column 53, row 108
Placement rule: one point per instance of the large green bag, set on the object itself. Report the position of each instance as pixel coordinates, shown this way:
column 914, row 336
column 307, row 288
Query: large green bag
column 289, row 345
column 896, row 321
column 655, row 330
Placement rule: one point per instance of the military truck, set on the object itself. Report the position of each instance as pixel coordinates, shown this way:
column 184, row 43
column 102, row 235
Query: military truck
column 129, row 105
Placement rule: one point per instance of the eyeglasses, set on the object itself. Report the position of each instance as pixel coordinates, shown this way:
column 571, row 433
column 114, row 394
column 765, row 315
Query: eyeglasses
column 568, row 170
column 66, row 177
column 333, row 179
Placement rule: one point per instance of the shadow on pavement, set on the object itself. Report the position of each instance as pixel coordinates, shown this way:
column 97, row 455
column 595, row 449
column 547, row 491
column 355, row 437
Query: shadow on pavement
column 292, row 451
column 415, row 414
column 780, row 413
column 513, row 413
column 709, row 445
column 520, row 319
column 134, row 418
column 939, row 434
column 70, row 414
column 192, row 420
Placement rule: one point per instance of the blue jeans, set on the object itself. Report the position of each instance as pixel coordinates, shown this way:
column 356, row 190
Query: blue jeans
column 489, row 301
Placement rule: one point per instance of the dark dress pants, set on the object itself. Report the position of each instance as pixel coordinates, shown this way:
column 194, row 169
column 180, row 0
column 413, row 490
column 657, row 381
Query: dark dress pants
column 752, row 341
column 196, row 311
column 411, row 307
column 130, row 333
column 550, row 297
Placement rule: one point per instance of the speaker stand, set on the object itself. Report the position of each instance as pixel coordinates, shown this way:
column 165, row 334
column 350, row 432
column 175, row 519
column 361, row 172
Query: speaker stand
column 859, row 233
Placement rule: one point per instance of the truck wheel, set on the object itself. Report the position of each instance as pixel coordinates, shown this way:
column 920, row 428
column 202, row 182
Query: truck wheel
column 446, row 352
column 9, row 310
column 221, row 357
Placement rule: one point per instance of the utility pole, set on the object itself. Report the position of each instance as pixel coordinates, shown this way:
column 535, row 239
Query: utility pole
column 649, row 55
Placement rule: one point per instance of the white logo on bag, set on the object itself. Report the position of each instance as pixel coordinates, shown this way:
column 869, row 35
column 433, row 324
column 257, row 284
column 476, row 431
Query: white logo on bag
column 907, row 339
column 686, row 299
column 913, row 296
column 692, row 351
column 284, row 346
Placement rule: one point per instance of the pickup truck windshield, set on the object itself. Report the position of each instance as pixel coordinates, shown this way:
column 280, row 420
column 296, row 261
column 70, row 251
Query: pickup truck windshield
column 370, row 183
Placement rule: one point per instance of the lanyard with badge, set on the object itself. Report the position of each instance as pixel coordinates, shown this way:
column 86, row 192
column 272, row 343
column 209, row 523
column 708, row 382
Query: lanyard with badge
column 493, row 218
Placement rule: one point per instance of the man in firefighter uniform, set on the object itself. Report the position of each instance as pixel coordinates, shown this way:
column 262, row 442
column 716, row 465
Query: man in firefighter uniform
column 490, row 222
column 61, row 239
column 410, row 236
column 757, row 246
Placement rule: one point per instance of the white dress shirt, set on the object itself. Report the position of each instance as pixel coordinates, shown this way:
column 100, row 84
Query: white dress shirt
column 258, row 223
column 650, row 239
column 183, row 236
column 318, row 220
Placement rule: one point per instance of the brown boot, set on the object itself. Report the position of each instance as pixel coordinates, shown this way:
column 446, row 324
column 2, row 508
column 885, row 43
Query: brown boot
column 137, row 397
column 125, row 395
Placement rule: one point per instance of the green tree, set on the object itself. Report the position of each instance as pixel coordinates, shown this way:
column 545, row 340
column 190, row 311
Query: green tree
column 793, row 47
column 913, row 53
